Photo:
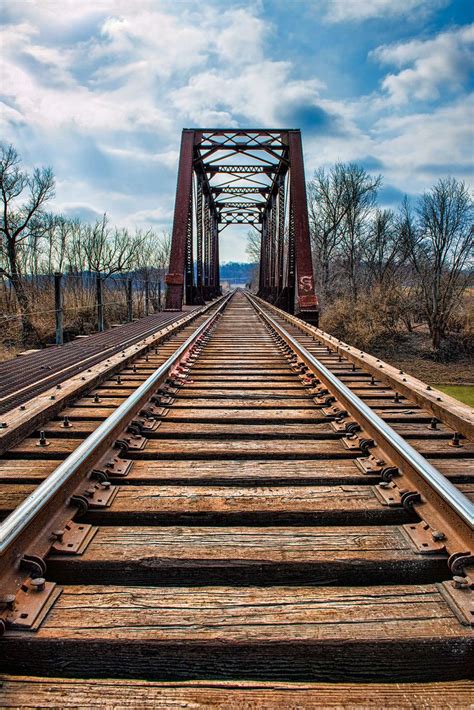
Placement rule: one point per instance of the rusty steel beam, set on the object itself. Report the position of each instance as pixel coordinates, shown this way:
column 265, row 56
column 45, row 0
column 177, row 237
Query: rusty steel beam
column 307, row 303
column 175, row 276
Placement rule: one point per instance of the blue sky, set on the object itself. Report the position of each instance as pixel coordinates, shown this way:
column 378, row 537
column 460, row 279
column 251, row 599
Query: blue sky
column 100, row 90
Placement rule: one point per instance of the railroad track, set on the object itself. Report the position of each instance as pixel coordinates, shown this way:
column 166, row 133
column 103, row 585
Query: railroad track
column 242, row 516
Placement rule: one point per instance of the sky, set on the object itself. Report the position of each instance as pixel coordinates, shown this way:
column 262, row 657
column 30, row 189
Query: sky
column 100, row 90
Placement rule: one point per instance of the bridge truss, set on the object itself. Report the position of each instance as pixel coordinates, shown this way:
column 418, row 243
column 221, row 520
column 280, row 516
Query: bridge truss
column 242, row 177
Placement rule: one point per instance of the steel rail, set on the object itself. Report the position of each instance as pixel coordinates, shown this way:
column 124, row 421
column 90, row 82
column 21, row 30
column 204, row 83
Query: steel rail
column 455, row 499
column 20, row 519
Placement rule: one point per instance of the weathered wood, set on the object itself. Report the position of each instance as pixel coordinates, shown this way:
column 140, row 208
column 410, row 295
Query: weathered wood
column 11, row 495
column 265, row 505
column 246, row 429
column 406, row 632
column 247, row 402
column 196, row 430
column 310, row 415
column 245, row 393
column 256, row 376
column 29, row 692
column 264, row 556
column 222, row 386
column 248, row 473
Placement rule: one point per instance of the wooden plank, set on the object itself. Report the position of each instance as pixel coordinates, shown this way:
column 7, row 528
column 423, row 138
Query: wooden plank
column 210, row 386
column 240, row 472
column 295, row 448
column 59, row 448
column 235, row 402
column 335, row 633
column 308, row 415
column 254, row 448
column 274, row 555
column 240, row 379
column 247, row 392
column 34, row 692
column 281, row 370
column 247, row 428
column 11, row 495
column 243, row 505
column 194, row 429
column 23, row 470
column 117, row 391
column 110, row 402
column 248, row 473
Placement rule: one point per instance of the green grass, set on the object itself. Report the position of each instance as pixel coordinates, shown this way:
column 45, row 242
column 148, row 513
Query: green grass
column 465, row 393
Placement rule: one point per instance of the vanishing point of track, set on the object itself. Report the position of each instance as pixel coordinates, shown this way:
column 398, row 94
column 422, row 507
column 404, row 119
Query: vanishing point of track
column 246, row 512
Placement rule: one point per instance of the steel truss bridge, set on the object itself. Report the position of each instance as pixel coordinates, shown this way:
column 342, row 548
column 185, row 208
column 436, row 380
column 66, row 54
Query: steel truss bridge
column 249, row 177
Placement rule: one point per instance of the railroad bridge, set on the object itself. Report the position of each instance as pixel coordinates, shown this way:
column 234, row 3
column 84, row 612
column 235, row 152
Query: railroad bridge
column 225, row 506
column 240, row 177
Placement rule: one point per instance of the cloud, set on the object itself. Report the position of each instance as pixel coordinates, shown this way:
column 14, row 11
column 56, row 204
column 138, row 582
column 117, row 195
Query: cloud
column 427, row 66
column 85, row 213
column 362, row 10
column 151, row 42
column 101, row 89
column 167, row 158
column 261, row 93
column 414, row 146
column 241, row 41
column 313, row 119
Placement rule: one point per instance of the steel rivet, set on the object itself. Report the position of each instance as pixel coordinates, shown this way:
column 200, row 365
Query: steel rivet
column 38, row 584
column 9, row 601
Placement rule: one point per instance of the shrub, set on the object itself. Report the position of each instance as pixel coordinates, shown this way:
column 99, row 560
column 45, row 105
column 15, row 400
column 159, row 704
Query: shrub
column 372, row 322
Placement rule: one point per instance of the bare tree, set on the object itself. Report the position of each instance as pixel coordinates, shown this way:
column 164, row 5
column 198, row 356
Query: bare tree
column 383, row 252
column 109, row 252
column 21, row 222
column 340, row 201
column 359, row 195
column 253, row 245
column 327, row 209
column 439, row 237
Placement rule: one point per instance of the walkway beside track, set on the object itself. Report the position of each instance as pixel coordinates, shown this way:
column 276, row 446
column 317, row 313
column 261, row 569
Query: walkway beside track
column 26, row 376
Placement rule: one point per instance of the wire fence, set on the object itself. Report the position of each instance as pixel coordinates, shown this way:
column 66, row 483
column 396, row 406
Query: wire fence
column 57, row 307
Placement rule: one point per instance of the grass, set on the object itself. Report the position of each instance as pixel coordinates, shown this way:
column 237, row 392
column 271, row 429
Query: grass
column 465, row 393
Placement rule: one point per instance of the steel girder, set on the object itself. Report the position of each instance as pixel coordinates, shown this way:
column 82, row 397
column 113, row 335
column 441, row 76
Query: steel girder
column 245, row 176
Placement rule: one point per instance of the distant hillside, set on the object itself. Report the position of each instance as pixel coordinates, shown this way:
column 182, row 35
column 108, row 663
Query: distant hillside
column 236, row 272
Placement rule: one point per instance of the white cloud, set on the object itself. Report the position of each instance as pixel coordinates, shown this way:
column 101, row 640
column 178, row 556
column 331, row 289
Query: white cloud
column 257, row 91
column 418, row 146
column 100, row 89
column 154, row 41
column 167, row 158
column 361, row 10
column 241, row 40
column 427, row 66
